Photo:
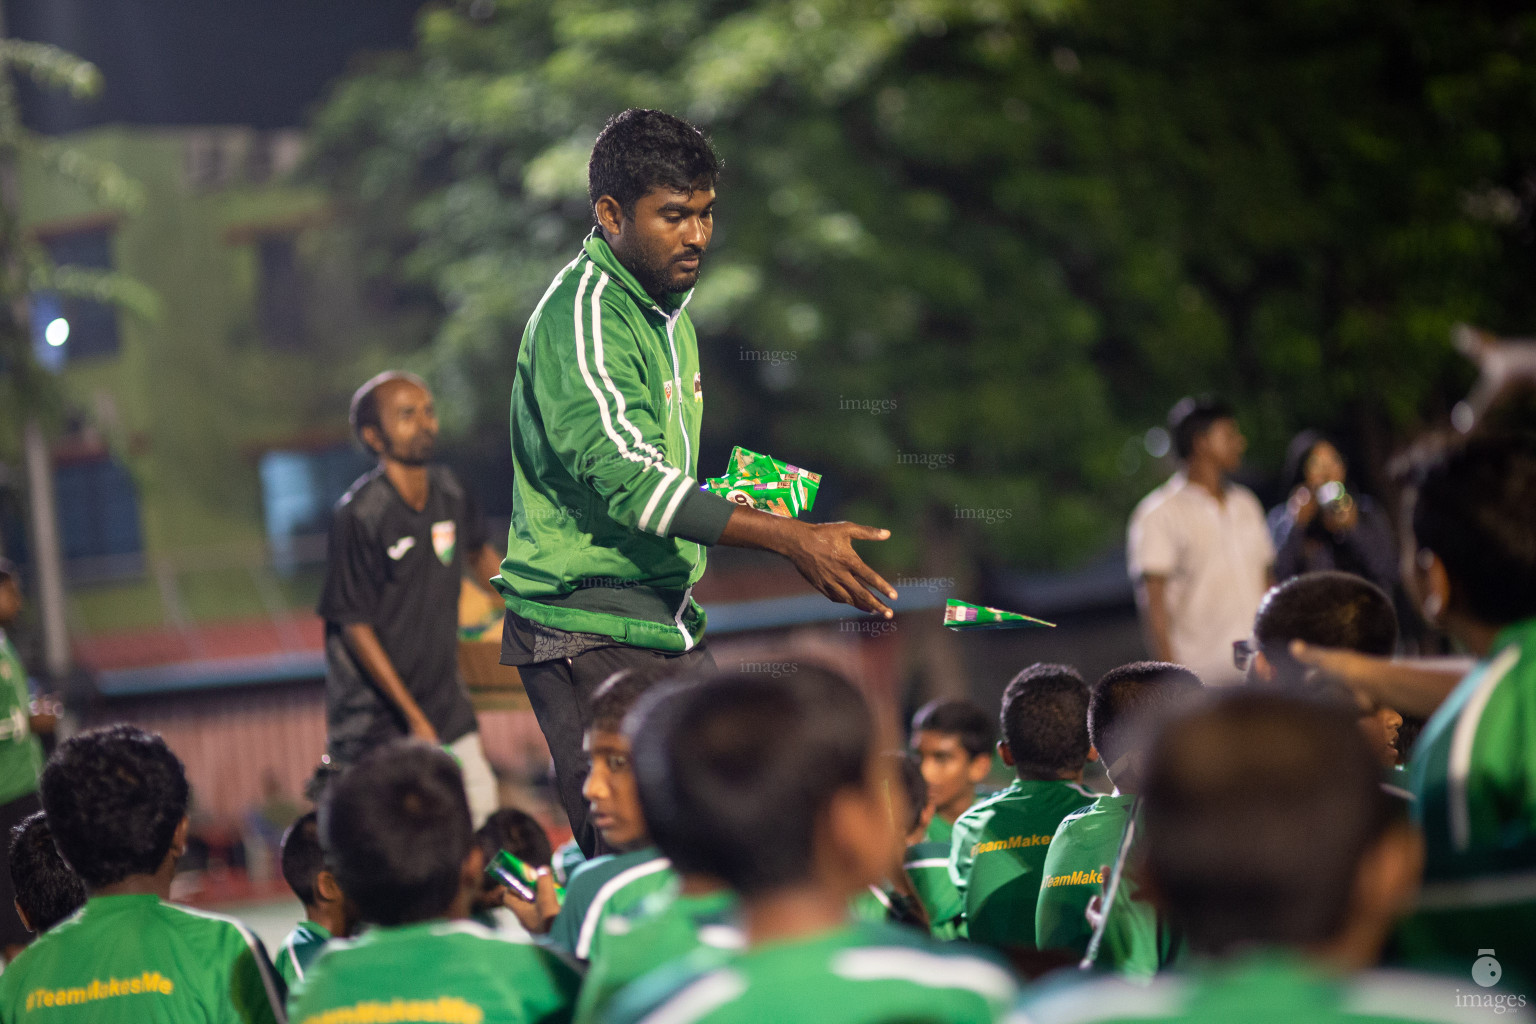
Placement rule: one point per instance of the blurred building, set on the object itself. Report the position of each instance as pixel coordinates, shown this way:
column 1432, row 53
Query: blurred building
column 201, row 451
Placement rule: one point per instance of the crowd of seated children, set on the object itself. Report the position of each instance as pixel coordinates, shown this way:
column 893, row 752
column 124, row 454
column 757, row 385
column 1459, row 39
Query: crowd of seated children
column 1260, row 868
column 774, row 787
column 999, row 846
column 1277, row 933
column 397, row 834
column 1124, row 710
column 1469, row 559
column 116, row 804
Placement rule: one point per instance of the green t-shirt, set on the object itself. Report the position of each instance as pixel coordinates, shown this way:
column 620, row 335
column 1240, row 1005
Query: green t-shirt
column 612, row 884
column 21, row 755
column 858, row 974
column 565, row 860
column 1135, row 942
column 927, row 865
column 299, row 950
column 998, row 853
column 138, row 960
column 666, row 927
column 940, row 829
column 437, row 971
column 1473, row 773
column 1265, row 988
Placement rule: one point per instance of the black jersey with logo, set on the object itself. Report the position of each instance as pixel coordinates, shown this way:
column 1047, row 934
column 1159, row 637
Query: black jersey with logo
column 399, row 571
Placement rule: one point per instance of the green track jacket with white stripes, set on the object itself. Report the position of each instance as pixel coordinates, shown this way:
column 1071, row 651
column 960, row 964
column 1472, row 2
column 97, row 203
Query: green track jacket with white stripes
column 609, row 525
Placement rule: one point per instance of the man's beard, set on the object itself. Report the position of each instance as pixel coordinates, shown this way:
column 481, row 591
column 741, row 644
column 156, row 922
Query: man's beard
column 419, row 457
column 658, row 281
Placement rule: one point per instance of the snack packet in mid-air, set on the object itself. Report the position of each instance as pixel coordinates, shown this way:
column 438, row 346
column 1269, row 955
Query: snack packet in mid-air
column 963, row 615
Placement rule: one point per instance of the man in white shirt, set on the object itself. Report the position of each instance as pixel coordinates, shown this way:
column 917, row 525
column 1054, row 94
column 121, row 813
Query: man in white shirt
column 1198, row 549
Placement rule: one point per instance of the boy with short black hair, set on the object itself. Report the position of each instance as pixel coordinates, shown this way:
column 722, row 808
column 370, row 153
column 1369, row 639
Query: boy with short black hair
column 952, row 740
column 693, row 910
column 613, row 883
column 1281, row 934
column 1327, row 609
column 774, row 787
column 47, row 891
column 328, row 914
column 116, row 801
column 396, row 829
column 1000, row 844
column 1124, row 709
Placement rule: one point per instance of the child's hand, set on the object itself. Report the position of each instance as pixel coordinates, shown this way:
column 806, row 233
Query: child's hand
column 537, row 915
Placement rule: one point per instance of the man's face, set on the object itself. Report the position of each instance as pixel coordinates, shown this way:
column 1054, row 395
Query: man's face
column 409, row 422
column 1224, row 444
column 662, row 239
column 612, row 797
column 948, row 768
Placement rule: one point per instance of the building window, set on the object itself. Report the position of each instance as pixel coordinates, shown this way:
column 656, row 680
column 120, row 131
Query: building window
column 298, row 490
column 98, row 510
column 89, row 328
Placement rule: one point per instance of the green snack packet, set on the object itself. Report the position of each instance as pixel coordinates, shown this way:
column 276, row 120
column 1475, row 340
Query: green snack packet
column 962, row 615
column 763, row 482
column 516, row 874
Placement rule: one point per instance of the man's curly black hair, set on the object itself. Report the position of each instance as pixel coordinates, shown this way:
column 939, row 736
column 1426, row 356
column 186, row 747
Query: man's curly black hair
column 639, row 150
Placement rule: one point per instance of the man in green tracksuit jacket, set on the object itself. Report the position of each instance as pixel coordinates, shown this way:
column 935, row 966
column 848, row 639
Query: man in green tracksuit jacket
column 609, row 524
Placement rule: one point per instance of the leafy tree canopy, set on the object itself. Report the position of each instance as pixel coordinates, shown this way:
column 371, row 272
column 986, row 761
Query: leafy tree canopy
column 967, row 251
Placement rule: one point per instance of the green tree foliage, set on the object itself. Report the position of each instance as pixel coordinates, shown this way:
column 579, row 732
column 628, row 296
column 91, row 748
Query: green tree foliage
column 26, row 389
column 968, row 250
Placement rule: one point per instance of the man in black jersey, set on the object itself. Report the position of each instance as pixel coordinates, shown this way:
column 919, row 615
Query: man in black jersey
column 402, row 540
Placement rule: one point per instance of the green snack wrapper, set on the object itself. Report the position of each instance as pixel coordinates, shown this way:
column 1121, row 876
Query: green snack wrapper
column 962, row 615
column 763, row 482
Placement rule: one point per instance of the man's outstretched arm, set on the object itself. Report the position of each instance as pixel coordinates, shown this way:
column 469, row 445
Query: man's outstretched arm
column 823, row 552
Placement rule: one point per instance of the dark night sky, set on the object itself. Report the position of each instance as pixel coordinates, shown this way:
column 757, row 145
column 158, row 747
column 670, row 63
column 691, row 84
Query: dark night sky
column 262, row 63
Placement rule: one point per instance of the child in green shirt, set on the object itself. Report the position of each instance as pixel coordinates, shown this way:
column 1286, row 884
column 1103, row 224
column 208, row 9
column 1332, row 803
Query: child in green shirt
column 327, row 912
column 952, row 741
column 773, row 786
column 116, row 803
column 999, row 847
column 613, row 883
column 396, row 829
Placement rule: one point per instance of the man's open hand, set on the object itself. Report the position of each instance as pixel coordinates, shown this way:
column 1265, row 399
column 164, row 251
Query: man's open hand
column 823, row 552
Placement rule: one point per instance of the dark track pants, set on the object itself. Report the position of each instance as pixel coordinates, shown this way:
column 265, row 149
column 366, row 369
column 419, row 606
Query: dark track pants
column 561, row 694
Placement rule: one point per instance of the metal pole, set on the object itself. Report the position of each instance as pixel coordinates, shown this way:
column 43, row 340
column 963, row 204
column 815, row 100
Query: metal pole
column 47, row 559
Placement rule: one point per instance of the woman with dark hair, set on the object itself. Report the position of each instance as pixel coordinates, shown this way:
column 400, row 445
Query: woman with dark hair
column 1322, row 525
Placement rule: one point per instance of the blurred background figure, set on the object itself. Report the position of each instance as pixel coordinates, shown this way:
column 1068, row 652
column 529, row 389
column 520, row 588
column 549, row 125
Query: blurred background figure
column 1324, row 524
column 21, row 753
column 1198, row 549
